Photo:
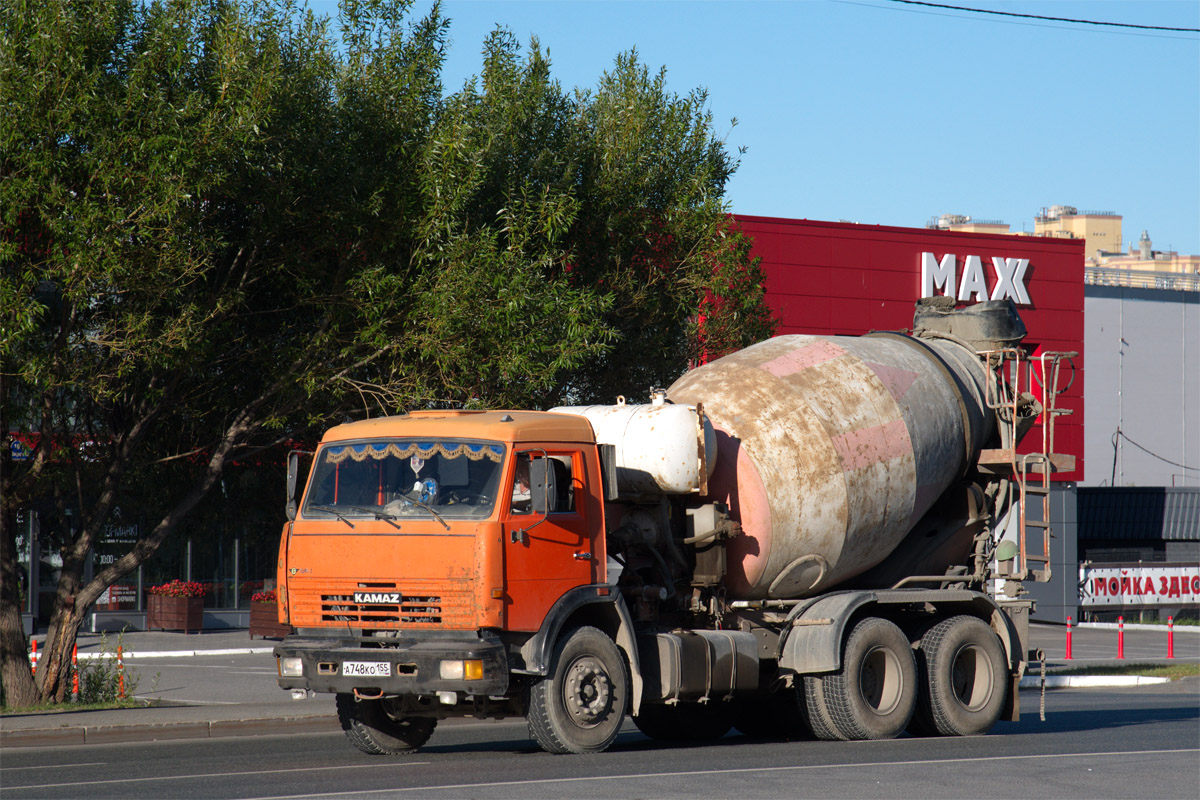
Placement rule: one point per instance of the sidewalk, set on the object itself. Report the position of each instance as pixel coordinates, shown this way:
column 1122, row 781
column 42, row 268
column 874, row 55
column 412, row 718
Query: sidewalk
column 221, row 683
column 208, row 684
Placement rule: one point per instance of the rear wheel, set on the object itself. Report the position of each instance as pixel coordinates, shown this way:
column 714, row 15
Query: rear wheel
column 579, row 706
column 875, row 692
column 688, row 722
column 965, row 678
column 376, row 727
column 816, row 713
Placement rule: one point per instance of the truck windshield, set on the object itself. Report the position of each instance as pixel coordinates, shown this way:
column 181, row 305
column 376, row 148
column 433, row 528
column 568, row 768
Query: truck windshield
column 405, row 478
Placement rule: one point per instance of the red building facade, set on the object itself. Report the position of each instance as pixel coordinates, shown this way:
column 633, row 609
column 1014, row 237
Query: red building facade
column 847, row 279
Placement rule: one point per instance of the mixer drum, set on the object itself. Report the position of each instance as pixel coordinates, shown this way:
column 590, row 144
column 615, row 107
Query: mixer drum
column 829, row 449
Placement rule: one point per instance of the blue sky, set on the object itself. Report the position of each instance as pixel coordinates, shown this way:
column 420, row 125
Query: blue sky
column 881, row 113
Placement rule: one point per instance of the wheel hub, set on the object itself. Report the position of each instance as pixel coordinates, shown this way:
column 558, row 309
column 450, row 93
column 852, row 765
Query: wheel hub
column 880, row 681
column 587, row 691
column 971, row 678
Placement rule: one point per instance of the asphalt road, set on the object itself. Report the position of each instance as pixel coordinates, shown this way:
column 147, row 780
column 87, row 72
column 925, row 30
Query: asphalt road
column 1095, row 743
column 205, row 679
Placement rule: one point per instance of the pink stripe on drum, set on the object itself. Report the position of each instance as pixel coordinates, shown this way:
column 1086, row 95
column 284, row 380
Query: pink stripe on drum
column 898, row 381
column 874, row 445
column 808, row 356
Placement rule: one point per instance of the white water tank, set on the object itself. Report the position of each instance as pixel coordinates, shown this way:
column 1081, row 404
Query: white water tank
column 661, row 448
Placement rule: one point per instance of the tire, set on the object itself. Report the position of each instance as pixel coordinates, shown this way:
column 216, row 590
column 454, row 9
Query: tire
column 685, row 722
column 964, row 676
column 875, row 692
column 373, row 728
column 580, row 705
column 816, row 714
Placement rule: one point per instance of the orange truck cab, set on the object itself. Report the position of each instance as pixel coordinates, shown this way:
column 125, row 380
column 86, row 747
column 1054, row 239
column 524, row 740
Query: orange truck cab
column 433, row 561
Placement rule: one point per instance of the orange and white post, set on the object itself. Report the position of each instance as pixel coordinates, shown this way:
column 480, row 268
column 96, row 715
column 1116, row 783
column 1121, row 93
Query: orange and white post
column 121, row 672
column 75, row 673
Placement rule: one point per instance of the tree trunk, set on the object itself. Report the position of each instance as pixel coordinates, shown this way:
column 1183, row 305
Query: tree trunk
column 19, row 689
column 54, row 664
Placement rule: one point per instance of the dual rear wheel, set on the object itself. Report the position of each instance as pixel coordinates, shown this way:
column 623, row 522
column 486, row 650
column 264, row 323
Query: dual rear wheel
column 954, row 684
column 964, row 676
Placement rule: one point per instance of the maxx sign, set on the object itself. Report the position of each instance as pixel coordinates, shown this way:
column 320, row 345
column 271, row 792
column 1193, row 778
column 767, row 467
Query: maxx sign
column 942, row 277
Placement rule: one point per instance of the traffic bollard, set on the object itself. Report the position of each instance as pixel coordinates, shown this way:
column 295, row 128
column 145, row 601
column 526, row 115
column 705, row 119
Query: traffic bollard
column 75, row 673
column 1068, row 655
column 120, row 672
column 1120, row 637
column 33, row 658
column 1170, row 637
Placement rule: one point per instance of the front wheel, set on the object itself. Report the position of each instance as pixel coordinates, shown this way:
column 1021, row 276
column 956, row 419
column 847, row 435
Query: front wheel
column 580, row 705
column 875, row 692
column 377, row 727
column 965, row 676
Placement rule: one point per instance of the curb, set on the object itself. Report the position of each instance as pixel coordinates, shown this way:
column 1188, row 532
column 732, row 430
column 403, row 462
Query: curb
column 151, row 732
column 1138, row 626
column 1089, row 681
column 233, row 651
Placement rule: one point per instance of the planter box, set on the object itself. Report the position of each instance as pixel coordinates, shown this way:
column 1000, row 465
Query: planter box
column 264, row 621
column 175, row 613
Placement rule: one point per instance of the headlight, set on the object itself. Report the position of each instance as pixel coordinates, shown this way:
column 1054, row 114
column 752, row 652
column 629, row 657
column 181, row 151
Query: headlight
column 469, row 670
column 291, row 668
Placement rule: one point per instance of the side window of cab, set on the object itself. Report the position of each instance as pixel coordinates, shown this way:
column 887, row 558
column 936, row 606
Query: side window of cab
column 544, row 482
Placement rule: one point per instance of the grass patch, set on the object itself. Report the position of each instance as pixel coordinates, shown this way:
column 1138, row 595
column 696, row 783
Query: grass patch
column 63, row 708
column 1184, row 669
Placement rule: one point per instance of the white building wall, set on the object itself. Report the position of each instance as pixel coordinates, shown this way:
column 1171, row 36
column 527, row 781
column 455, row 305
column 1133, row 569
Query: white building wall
column 1142, row 351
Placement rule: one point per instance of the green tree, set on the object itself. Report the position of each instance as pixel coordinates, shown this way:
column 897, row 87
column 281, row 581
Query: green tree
column 222, row 224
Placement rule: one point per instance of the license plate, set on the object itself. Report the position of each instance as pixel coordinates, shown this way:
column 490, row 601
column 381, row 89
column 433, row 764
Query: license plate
column 367, row 669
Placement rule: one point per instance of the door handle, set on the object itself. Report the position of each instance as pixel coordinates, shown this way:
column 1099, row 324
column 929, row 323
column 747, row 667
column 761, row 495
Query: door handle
column 583, row 556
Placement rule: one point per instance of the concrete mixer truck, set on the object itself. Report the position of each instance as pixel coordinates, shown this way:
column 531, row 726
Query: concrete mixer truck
column 814, row 536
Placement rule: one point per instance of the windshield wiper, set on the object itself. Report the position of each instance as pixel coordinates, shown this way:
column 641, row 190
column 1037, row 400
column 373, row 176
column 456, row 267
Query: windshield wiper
column 383, row 515
column 335, row 512
column 419, row 504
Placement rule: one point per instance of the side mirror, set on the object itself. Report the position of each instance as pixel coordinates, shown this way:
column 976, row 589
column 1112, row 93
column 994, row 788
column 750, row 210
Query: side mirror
column 541, row 485
column 541, row 493
column 293, row 468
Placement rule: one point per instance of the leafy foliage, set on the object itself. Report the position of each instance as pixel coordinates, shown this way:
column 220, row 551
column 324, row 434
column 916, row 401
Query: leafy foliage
column 223, row 225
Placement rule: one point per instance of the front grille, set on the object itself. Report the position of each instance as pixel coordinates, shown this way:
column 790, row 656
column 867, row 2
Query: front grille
column 417, row 610
column 425, row 604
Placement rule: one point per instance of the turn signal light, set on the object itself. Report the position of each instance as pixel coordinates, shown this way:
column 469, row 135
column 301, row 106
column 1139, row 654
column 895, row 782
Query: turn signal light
column 469, row 670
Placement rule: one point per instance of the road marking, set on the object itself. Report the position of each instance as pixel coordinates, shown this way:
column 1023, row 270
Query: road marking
column 58, row 766
column 210, row 775
column 698, row 773
column 151, row 696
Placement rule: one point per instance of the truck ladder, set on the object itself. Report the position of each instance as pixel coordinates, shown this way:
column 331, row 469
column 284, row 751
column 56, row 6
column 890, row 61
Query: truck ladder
column 1031, row 472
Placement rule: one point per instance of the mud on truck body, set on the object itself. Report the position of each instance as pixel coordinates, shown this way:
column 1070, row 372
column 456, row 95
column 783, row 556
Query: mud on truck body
column 822, row 535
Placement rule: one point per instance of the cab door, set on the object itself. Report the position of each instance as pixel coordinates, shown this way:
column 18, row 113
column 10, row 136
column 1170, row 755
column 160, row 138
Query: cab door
column 548, row 541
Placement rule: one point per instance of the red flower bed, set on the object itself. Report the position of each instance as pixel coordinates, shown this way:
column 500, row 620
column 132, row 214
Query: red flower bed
column 178, row 588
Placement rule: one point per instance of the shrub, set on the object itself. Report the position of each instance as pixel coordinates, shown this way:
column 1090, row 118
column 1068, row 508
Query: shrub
column 100, row 677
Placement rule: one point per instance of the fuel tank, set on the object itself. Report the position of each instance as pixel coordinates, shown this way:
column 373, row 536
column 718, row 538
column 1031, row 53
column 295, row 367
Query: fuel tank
column 829, row 449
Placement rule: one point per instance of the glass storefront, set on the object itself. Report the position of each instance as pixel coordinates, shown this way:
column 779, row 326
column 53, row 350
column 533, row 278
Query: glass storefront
column 229, row 545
